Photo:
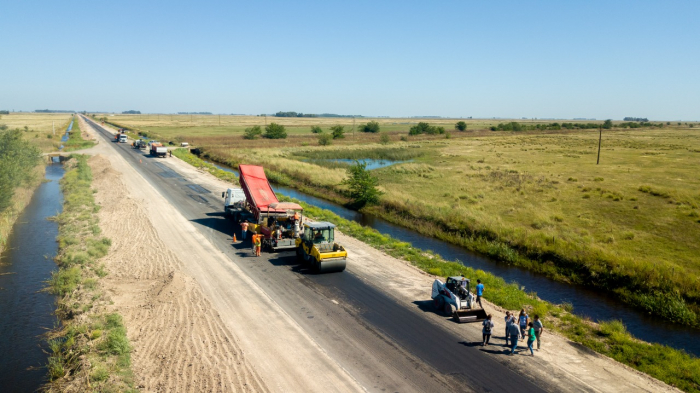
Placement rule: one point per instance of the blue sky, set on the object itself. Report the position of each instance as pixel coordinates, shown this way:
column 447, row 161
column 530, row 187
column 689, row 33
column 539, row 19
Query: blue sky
column 562, row 59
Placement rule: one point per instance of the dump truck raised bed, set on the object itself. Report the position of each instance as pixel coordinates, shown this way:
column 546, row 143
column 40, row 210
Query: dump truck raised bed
column 455, row 298
column 277, row 221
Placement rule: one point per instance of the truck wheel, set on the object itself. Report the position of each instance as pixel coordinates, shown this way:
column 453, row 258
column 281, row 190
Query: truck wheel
column 300, row 256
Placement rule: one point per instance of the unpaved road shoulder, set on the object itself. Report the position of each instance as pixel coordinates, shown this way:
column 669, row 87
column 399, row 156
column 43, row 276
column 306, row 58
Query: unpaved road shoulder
column 181, row 342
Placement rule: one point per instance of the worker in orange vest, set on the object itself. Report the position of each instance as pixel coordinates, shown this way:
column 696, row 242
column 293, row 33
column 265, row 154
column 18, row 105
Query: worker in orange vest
column 257, row 244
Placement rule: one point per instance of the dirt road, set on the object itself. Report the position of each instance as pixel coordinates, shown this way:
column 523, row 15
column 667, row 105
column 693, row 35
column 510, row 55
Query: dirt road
column 366, row 328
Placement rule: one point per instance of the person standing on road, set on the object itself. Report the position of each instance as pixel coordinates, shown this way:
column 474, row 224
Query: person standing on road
column 539, row 328
column 479, row 292
column 523, row 319
column 244, row 229
column 514, row 332
column 510, row 319
column 257, row 244
column 530, row 338
column 488, row 327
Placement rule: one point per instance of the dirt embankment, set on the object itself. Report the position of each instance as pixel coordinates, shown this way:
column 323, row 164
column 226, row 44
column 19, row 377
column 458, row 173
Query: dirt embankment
column 180, row 342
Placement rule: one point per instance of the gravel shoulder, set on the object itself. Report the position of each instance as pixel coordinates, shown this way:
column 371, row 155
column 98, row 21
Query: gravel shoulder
column 191, row 332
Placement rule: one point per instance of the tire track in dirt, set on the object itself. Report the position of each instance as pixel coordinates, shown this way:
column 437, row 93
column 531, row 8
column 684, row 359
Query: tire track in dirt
column 180, row 342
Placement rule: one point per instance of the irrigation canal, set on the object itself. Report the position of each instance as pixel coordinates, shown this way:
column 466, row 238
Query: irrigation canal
column 27, row 311
column 587, row 302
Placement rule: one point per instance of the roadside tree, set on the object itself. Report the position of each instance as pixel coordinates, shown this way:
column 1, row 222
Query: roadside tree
column 608, row 124
column 363, row 186
column 275, row 131
column 461, row 125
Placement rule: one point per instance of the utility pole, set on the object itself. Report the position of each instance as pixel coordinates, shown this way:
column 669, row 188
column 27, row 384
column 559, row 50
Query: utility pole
column 600, row 138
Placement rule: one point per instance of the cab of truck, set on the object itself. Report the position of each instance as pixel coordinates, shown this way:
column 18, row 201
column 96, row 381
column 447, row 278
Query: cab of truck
column 234, row 198
column 123, row 138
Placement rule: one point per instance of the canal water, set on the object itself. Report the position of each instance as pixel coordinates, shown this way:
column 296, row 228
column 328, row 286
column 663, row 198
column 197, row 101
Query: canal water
column 369, row 162
column 27, row 311
column 587, row 302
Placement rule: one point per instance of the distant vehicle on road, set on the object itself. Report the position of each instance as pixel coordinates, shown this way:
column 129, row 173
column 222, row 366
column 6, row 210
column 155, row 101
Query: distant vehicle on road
column 140, row 144
column 157, row 149
column 123, row 138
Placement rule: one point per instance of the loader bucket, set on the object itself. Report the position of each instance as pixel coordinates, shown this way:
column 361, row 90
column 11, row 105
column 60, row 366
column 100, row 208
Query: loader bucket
column 469, row 315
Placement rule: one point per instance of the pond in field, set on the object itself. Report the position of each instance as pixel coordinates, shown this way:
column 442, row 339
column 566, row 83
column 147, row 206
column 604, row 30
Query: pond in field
column 27, row 310
column 586, row 302
column 371, row 163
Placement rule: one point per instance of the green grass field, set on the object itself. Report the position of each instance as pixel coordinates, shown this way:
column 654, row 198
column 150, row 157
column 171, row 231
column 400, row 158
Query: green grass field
column 629, row 225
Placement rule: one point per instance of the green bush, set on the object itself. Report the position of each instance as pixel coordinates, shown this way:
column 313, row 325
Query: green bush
column 371, row 126
column 275, row 131
column 363, row 186
column 425, row 128
column 338, row 132
column 325, row 139
column 461, row 126
column 252, row 132
column 18, row 157
column 316, row 130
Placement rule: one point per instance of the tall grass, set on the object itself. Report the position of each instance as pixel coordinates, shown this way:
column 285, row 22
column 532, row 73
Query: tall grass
column 90, row 349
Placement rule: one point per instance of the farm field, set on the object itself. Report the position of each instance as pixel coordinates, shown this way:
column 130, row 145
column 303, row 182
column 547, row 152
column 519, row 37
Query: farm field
column 39, row 127
column 629, row 225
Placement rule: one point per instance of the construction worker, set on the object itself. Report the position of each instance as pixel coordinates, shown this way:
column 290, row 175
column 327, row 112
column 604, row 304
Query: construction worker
column 258, row 244
column 479, row 292
column 244, row 229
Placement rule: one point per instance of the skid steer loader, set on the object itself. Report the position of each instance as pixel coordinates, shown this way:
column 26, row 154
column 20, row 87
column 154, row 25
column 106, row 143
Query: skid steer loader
column 454, row 297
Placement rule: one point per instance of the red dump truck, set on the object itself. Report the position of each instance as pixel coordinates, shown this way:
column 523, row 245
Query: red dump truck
column 278, row 222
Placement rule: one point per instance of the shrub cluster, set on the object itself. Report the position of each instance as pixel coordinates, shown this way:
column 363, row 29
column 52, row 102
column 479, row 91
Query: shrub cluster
column 425, row 128
column 18, row 158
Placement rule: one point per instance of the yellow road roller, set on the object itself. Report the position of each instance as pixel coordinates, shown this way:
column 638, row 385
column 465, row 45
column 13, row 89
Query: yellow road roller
column 317, row 247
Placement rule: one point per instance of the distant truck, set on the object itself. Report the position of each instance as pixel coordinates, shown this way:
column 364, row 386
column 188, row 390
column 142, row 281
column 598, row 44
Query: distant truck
column 140, row 144
column 123, row 138
column 157, row 149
